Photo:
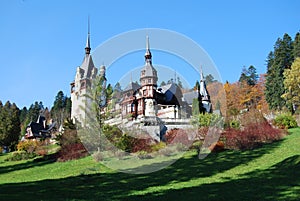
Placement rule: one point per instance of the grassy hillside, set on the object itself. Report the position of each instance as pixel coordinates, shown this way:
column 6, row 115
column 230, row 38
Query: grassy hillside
column 268, row 173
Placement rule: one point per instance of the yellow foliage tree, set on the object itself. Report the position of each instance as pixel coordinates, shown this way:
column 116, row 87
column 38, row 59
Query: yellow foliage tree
column 292, row 84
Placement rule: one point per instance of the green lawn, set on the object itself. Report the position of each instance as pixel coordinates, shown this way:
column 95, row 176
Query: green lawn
column 268, row 173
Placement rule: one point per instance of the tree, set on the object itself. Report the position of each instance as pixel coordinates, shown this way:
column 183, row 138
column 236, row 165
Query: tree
column 232, row 101
column 61, row 108
column 197, row 86
column 23, row 114
column 179, row 82
column 278, row 60
column 9, row 125
column 34, row 111
column 296, row 45
column 249, row 75
column 195, row 107
column 109, row 91
column 162, row 83
column 117, row 87
column 292, row 85
column 209, row 79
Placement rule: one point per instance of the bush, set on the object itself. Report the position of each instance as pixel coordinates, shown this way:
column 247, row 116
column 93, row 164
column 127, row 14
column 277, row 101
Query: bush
column 252, row 136
column 71, row 152
column 158, row 146
column 71, row 146
column 206, row 119
column 141, row 144
column 175, row 136
column 28, row 146
column 21, row 155
column 285, row 121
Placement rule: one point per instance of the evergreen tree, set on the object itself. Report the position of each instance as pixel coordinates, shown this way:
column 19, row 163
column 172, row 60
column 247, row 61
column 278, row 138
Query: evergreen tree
column 296, row 46
column 68, row 107
column 249, row 75
column 179, row 82
column 209, row 79
column 23, row 114
column 197, row 86
column 61, row 108
column 162, row 83
column 9, row 125
column 109, row 91
column 117, row 87
column 34, row 111
column 277, row 61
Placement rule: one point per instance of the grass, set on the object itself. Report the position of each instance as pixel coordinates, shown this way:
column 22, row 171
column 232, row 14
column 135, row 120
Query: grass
column 271, row 172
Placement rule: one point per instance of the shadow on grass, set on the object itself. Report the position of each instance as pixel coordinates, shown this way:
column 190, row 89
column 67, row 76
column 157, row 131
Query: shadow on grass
column 118, row 186
column 33, row 163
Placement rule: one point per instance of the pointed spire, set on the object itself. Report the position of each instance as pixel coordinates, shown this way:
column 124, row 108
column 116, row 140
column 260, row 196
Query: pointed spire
column 201, row 74
column 148, row 55
column 88, row 46
column 203, row 90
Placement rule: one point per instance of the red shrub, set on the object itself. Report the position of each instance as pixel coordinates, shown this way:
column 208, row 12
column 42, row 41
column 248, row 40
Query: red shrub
column 176, row 136
column 71, row 147
column 251, row 136
column 141, row 144
column 71, row 152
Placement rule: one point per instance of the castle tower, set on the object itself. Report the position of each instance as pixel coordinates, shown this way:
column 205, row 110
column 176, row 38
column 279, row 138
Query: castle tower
column 148, row 79
column 148, row 73
column 85, row 73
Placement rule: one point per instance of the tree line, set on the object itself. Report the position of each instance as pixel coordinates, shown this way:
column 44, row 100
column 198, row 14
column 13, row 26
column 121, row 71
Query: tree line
column 14, row 121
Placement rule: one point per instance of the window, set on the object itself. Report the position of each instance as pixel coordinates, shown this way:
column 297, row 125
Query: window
column 149, row 81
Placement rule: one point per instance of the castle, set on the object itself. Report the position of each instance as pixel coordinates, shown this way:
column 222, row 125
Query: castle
column 145, row 102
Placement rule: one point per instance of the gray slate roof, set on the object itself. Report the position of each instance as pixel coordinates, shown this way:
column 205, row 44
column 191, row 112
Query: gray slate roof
column 132, row 86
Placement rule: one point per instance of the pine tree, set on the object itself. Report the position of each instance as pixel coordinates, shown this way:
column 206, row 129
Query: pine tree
column 9, row 125
column 249, row 75
column 209, row 79
column 197, row 86
column 61, row 108
column 162, row 83
column 296, row 45
column 277, row 61
column 23, row 114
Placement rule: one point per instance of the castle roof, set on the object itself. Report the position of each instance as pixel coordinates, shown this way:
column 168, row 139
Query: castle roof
column 132, row 86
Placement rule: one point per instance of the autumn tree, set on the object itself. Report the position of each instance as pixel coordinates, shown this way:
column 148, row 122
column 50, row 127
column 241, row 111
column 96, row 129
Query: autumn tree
column 232, row 100
column 217, row 96
column 292, row 85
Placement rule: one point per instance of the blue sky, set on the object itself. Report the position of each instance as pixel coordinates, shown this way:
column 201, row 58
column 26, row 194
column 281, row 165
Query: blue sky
column 42, row 42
